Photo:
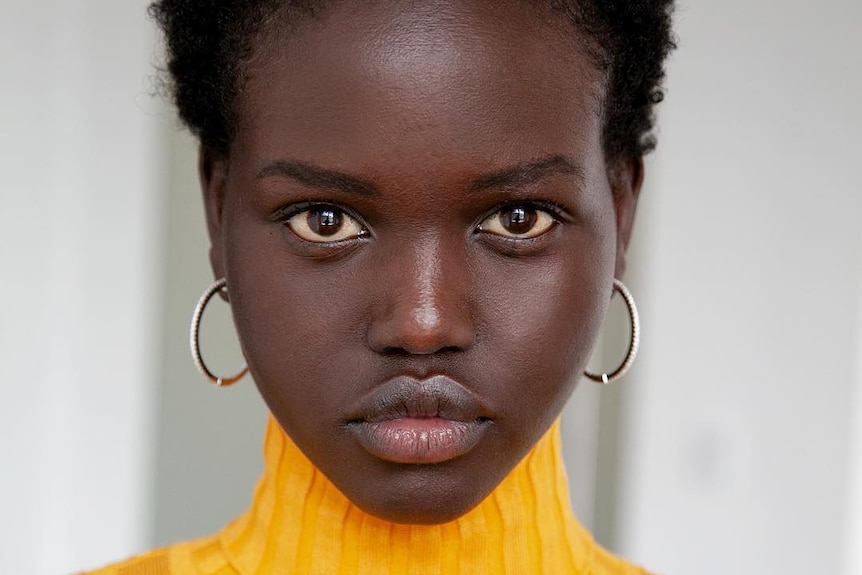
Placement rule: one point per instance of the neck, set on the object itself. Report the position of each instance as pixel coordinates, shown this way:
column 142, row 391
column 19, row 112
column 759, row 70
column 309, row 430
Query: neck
column 300, row 523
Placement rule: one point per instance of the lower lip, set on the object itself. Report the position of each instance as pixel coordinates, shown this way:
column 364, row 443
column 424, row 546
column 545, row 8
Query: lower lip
column 418, row 440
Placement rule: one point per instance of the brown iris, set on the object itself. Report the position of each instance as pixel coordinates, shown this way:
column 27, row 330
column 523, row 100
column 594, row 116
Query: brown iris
column 325, row 222
column 519, row 220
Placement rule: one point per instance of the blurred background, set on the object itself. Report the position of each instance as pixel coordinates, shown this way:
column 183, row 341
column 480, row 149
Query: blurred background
column 735, row 445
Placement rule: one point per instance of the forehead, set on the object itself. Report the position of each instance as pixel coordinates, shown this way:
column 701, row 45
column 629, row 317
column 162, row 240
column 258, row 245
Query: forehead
column 470, row 77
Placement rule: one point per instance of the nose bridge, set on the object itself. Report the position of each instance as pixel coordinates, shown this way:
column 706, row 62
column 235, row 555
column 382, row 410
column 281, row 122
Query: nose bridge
column 425, row 308
column 428, row 273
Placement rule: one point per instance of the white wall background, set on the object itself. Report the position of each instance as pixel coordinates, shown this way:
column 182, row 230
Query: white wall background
column 852, row 536
column 732, row 448
column 736, row 443
column 79, row 278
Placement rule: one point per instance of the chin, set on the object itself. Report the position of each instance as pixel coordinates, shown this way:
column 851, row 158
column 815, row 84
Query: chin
column 427, row 495
column 425, row 511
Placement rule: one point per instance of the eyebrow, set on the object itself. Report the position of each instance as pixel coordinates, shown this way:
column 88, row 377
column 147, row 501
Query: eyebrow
column 316, row 177
column 525, row 174
column 507, row 178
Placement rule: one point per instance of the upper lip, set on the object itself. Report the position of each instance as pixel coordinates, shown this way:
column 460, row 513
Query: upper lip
column 407, row 396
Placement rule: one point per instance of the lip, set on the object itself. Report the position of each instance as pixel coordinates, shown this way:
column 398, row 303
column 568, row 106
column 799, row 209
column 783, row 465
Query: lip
column 408, row 420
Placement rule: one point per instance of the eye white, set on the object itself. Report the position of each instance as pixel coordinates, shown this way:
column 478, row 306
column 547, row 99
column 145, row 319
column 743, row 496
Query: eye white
column 304, row 223
column 494, row 224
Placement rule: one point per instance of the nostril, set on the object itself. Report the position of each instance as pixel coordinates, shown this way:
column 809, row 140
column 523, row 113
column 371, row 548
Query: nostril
column 402, row 351
column 393, row 334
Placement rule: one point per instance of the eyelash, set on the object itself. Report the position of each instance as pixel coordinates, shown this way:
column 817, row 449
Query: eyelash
column 556, row 211
column 284, row 214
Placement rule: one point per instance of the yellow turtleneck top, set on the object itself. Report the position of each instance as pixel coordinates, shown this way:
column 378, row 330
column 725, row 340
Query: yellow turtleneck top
column 299, row 523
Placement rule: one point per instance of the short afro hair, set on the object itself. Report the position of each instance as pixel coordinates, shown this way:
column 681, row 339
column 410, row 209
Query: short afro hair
column 208, row 41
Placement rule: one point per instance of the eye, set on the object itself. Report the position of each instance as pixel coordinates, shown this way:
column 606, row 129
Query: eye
column 323, row 224
column 518, row 222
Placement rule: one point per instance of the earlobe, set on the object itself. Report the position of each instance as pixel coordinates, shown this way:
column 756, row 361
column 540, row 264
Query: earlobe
column 626, row 181
column 212, row 171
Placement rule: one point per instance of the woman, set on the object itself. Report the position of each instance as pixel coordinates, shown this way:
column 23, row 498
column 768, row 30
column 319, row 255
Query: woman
column 417, row 212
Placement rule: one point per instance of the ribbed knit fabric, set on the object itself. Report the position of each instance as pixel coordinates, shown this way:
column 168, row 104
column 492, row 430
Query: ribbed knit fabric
column 299, row 523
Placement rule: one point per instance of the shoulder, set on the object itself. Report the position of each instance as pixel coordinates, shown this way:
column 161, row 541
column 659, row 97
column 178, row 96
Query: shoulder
column 201, row 557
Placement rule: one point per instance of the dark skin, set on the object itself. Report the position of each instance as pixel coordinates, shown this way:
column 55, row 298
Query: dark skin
column 419, row 190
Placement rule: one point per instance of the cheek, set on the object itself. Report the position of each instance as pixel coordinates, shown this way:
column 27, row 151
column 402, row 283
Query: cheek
column 541, row 326
column 296, row 323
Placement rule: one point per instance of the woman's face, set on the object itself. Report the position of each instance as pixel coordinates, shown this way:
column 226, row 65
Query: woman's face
column 419, row 237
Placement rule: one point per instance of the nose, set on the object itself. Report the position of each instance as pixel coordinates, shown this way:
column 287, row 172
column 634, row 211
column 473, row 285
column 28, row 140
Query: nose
column 424, row 308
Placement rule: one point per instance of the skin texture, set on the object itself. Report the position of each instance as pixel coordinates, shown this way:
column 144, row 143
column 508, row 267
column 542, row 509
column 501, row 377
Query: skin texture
column 422, row 121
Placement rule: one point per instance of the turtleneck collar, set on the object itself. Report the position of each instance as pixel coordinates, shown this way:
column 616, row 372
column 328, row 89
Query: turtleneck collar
column 300, row 523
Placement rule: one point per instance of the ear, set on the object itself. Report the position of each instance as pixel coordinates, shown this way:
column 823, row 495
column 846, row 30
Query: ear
column 212, row 171
column 626, row 180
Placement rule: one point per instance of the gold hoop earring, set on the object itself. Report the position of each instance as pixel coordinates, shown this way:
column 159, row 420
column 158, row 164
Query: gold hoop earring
column 634, row 343
column 194, row 342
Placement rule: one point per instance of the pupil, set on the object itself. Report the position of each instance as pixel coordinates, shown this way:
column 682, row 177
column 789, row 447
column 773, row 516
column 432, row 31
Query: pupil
column 518, row 220
column 325, row 222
